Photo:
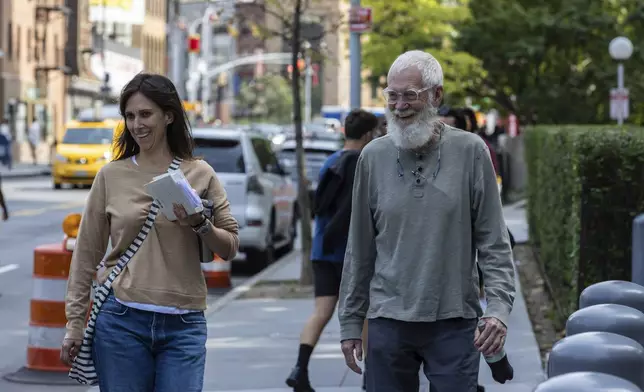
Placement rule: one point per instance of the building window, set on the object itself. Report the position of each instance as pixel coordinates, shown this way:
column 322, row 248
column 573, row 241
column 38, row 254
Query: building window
column 57, row 50
column 44, row 45
column 29, row 52
column 18, row 42
column 10, row 39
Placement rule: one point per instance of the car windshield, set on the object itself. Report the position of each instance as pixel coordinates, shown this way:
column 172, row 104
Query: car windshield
column 224, row 155
column 88, row 136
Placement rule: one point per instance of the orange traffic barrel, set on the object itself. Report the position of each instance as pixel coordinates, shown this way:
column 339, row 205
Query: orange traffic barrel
column 47, row 309
column 47, row 319
column 217, row 273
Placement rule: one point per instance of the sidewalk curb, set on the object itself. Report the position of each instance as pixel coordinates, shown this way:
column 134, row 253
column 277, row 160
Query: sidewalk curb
column 523, row 203
column 11, row 176
column 221, row 302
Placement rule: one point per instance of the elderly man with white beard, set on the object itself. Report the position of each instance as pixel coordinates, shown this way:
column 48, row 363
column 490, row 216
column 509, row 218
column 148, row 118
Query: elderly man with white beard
column 425, row 205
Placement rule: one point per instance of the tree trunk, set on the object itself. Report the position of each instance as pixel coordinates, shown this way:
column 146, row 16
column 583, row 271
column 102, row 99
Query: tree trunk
column 306, row 274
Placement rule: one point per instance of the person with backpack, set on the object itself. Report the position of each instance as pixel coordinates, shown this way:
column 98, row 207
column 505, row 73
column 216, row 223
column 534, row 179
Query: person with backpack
column 332, row 217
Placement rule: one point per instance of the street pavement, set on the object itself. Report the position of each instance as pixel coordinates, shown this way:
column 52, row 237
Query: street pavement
column 36, row 214
column 22, row 170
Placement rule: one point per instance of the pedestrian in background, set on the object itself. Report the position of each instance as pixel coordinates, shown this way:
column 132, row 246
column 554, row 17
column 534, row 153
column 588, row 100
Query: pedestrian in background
column 34, row 137
column 3, row 204
column 332, row 218
column 5, row 131
column 150, row 332
column 425, row 202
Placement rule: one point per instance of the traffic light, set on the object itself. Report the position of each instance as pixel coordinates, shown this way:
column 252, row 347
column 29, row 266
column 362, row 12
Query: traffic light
column 194, row 43
column 300, row 66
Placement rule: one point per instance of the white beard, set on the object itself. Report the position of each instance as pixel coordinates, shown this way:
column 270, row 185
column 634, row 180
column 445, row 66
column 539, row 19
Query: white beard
column 415, row 135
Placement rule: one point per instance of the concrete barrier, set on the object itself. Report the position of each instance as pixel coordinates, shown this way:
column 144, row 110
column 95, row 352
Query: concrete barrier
column 587, row 382
column 602, row 352
column 613, row 292
column 619, row 319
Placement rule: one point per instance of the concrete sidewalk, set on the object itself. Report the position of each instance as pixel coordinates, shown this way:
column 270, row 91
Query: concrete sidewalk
column 24, row 170
column 515, row 218
column 253, row 344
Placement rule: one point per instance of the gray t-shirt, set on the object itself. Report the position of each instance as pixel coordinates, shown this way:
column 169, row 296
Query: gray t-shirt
column 417, row 222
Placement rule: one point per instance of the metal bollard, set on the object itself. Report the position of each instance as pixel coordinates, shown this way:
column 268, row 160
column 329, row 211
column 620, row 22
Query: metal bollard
column 604, row 352
column 637, row 257
column 613, row 292
column 587, row 382
column 619, row 319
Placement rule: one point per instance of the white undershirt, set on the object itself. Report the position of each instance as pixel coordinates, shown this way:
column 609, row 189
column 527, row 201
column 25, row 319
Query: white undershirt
column 150, row 307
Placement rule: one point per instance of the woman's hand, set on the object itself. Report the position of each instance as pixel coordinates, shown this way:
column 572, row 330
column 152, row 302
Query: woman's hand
column 185, row 219
column 70, row 349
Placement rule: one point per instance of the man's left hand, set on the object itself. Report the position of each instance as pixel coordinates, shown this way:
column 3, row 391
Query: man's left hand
column 492, row 339
column 184, row 218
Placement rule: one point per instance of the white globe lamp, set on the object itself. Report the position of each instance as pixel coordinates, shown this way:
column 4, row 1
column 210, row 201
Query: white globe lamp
column 620, row 48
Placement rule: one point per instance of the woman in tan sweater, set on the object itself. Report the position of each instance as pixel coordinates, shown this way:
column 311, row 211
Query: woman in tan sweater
column 150, row 332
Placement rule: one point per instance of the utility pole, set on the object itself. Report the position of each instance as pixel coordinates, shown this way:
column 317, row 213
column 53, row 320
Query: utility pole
column 206, row 56
column 308, row 82
column 355, row 51
column 177, row 51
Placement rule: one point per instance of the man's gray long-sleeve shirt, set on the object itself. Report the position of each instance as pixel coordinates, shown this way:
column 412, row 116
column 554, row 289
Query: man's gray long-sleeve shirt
column 417, row 222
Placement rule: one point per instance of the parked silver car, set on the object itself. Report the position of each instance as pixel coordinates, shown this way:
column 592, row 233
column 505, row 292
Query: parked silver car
column 316, row 151
column 262, row 195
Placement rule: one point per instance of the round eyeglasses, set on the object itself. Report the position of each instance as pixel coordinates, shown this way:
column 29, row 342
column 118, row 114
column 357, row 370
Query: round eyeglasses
column 408, row 96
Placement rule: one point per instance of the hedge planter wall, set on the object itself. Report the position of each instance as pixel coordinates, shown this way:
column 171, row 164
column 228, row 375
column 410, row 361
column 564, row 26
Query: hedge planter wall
column 585, row 186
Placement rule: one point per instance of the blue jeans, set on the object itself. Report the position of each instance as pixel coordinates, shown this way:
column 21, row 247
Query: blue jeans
column 139, row 351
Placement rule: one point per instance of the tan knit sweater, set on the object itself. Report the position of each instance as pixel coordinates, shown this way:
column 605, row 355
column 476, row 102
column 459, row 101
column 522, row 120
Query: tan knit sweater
column 166, row 270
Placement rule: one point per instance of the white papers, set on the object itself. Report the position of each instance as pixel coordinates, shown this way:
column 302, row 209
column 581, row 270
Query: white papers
column 173, row 187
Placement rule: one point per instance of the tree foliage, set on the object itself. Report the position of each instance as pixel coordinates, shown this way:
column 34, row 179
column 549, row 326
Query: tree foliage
column 268, row 98
column 548, row 61
column 429, row 25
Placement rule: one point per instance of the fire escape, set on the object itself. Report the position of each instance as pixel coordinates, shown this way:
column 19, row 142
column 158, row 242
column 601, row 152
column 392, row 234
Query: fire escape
column 44, row 15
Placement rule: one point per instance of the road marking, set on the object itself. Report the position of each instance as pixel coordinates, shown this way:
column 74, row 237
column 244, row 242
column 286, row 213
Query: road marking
column 8, row 268
column 38, row 211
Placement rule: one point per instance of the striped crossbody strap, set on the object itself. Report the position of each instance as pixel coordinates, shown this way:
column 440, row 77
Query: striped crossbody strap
column 83, row 369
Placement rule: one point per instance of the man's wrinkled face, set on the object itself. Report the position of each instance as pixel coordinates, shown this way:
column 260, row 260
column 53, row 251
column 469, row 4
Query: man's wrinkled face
column 412, row 109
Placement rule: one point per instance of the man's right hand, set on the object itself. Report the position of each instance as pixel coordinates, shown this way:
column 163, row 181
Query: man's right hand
column 349, row 347
column 70, row 350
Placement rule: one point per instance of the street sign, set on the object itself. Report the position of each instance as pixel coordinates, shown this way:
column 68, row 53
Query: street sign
column 360, row 19
column 619, row 103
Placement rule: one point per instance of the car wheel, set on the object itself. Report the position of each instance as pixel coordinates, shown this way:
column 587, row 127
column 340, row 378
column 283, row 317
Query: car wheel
column 57, row 185
column 260, row 259
column 292, row 233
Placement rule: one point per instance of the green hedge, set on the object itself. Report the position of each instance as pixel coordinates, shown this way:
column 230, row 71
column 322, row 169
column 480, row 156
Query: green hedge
column 585, row 186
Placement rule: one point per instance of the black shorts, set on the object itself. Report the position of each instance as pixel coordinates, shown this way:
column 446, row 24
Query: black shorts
column 326, row 278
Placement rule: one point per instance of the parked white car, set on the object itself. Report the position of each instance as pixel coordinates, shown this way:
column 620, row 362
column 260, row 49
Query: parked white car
column 262, row 195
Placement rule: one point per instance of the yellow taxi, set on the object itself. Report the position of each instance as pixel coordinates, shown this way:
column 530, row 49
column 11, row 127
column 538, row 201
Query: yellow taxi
column 85, row 148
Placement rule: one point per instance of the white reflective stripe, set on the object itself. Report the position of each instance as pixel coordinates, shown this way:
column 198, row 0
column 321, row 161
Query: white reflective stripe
column 49, row 289
column 216, row 266
column 44, row 337
column 70, row 244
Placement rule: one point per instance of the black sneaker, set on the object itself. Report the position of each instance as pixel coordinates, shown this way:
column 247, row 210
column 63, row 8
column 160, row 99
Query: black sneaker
column 299, row 380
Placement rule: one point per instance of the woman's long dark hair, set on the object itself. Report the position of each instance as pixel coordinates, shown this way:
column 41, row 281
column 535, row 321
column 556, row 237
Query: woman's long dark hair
column 163, row 93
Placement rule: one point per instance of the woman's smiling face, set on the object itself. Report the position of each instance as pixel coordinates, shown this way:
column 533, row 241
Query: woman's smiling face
column 146, row 122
